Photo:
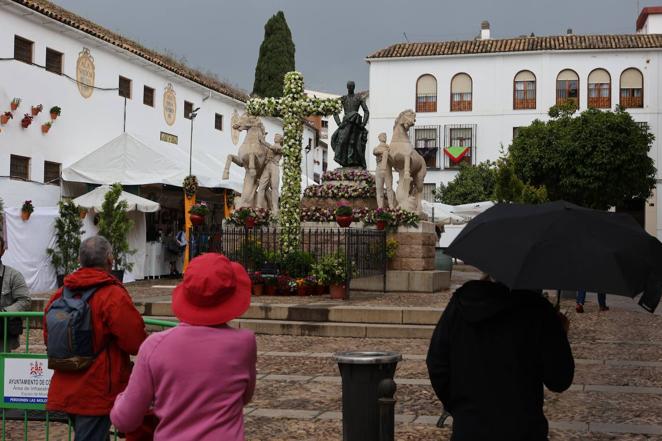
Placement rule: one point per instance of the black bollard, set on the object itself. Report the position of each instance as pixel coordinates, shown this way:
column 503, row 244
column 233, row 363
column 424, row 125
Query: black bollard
column 367, row 394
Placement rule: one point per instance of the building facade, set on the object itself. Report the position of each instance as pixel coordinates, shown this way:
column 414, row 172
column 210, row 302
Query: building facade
column 105, row 85
column 471, row 97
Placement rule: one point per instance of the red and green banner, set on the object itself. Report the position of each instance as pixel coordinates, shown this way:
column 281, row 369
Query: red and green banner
column 456, row 153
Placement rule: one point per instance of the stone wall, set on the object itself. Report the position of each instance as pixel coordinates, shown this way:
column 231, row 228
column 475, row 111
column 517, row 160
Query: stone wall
column 416, row 248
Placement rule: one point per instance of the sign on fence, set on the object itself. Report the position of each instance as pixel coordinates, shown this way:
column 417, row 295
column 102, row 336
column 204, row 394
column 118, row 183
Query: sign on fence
column 25, row 381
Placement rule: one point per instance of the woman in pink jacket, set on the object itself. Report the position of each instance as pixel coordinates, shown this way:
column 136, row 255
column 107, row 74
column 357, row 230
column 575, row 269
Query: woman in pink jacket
column 198, row 376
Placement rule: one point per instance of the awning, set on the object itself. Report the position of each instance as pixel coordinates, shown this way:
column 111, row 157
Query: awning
column 94, row 200
column 130, row 161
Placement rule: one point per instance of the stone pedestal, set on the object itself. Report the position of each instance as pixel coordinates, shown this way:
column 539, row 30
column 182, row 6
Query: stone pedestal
column 416, row 248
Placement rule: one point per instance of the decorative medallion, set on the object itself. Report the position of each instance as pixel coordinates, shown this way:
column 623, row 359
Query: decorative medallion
column 234, row 132
column 85, row 73
column 169, row 105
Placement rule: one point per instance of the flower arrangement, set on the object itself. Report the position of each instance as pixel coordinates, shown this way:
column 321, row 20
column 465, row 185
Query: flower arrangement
column 340, row 191
column 332, row 269
column 36, row 110
column 15, row 103
column 200, row 209
column 262, row 216
column 55, row 112
column 190, row 185
column 292, row 107
column 27, row 207
column 26, row 121
column 398, row 217
column 354, row 175
column 4, row 119
column 383, row 215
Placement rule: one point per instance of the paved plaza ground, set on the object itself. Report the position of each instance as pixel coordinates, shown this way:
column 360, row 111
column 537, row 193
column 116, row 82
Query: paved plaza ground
column 616, row 395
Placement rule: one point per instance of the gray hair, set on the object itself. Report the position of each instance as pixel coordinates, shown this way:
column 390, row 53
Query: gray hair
column 94, row 252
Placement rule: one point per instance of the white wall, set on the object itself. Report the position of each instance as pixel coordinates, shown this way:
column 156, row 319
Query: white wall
column 86, row 124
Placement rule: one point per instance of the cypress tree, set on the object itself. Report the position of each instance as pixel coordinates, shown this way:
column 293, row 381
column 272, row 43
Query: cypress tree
column 276, row 58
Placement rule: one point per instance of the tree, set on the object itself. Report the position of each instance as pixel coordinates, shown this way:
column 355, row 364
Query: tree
column 474, row 183
column 114, row 225
column 596, row 159
column 276, row 58
column 68, row 231
column 510, row 188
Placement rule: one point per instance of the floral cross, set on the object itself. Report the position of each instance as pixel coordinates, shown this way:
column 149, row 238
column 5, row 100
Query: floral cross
column 293, row 107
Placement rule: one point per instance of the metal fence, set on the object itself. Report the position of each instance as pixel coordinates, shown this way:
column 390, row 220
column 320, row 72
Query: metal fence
column 259, row 248
column 30, row 411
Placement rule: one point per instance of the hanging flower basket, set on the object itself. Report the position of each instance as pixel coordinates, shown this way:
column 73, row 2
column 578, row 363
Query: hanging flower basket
column 5, row 117
column 198, row 213
column 196, row 219
column 37, row 109
column 15, row 103
column 55, row 112
column 26, row 210
column 456, row 153
column 190, row 185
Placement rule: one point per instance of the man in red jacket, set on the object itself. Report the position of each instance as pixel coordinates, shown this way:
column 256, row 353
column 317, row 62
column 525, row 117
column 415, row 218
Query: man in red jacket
column 118, row 328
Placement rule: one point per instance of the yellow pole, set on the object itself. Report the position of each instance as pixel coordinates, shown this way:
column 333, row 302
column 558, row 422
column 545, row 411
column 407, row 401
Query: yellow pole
column 188, row 203
column 226, row 207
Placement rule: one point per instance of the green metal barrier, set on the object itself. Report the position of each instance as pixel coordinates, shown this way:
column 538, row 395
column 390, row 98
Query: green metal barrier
column 12, row 407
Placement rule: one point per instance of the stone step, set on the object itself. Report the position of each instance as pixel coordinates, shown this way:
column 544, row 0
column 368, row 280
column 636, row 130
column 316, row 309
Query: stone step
column 323, row 312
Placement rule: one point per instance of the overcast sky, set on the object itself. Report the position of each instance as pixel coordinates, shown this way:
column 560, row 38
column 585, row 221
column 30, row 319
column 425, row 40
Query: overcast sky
column 333, row 37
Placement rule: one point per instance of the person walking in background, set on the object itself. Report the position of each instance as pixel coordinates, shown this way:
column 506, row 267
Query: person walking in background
column 581, row 299
column 87, row 393
column 490, row 355
column 14, row 297
column 196, row 393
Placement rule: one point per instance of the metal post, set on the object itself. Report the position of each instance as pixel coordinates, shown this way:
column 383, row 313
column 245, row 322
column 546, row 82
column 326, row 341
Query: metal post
column 385, row 392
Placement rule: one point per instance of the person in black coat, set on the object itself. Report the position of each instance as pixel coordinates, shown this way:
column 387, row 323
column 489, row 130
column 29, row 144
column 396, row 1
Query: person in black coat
column 490, row 355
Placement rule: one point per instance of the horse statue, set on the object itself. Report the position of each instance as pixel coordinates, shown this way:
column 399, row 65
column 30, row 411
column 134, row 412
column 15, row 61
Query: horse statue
column 409, row 164
column 252, row 156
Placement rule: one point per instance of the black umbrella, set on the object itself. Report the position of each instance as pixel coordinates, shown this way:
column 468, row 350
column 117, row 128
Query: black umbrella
column 559, row 245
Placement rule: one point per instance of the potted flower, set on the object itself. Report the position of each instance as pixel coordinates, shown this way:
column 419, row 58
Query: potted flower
column 198, row 212
column 270, row 285
column 286, row 285
column 344, row 215
column 258, row 283
column 26, row 121
column 46, row 127
column 246, row 217
column 332, row 270
column 55, row 112
column 382, row 218
column 15, row 103
column 26, row 210
column 310, row 284
column 4, row 119
column 36, row 110
column 68, row 231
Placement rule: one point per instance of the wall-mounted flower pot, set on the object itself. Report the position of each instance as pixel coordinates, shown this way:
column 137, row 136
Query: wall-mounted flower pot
column 14, row 106
column 35, row 111
column 54, row 116
column 25, row 215
column 82, row 213
column 4, row 119
column 344, row 221
column 45, row 128
column 196, row 219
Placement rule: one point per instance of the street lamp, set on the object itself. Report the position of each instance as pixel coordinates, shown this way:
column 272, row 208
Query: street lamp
column 193, row 114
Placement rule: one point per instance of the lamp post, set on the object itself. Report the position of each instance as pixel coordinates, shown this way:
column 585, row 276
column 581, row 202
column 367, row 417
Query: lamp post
column 193, row 114
column 187, row 201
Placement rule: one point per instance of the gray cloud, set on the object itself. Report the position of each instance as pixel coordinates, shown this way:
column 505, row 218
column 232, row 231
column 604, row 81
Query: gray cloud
column 333, row 37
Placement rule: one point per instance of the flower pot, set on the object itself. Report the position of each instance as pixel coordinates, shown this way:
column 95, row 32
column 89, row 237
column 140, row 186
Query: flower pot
column 45, row 128
column 319, row 290
column 258, row 289
column 35, row 111
column 271, row 290
column 4, row 119
column 302, row 290
column 344, row 221
column 14, row 106
column 25, row 215
column 53, row 115
column 249, row 222
column 196, row 219
column 338, row 292
column 381, row 225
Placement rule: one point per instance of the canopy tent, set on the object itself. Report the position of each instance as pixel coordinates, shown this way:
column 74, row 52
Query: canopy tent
column 454, row 214
column 130, row 161
column 94, row 200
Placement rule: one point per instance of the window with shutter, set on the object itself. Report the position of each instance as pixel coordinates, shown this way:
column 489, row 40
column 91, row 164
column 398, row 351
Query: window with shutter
column 148, row 96
column 53, row 61
column 19, row 167
column 188, row 109
column 52, row 173
column 23, row 49
column 218, row 121
column 125, row 87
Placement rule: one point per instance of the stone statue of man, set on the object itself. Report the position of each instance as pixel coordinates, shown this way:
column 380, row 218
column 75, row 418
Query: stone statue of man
column 270, row 176
column 383, row 174
column 349, row 140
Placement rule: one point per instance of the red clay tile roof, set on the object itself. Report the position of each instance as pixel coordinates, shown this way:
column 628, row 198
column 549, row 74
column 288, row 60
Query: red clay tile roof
column 82, row 24
column 641, row 20
column 521, row 44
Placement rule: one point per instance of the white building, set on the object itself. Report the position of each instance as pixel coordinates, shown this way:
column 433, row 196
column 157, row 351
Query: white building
column 476, row 94
column 50, row 57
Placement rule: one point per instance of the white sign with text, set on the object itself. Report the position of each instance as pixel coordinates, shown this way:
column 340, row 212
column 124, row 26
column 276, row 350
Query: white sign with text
column 26, row 380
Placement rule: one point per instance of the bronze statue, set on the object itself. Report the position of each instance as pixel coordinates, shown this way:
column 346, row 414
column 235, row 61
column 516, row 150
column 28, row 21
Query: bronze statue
column 349, row 141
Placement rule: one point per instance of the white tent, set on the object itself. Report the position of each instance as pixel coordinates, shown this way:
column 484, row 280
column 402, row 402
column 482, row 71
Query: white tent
column 94, row 200
column 130, row 161
column 454, row 214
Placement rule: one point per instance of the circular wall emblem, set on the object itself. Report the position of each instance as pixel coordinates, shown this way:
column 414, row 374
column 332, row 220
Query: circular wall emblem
column 234, row 132
column 169, row 105
column 85, row 73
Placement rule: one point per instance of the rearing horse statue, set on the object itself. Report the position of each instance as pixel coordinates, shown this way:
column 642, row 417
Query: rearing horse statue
column 252, row 156
column 409, row 164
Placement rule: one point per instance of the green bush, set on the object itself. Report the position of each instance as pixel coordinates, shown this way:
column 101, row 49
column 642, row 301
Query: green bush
column 114, row 225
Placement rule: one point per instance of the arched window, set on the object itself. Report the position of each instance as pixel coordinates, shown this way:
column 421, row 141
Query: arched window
column 632, row 88
column 599, row 89
column 567, row 87
column 461, row 86
column 524, row 90
column 426, row 94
